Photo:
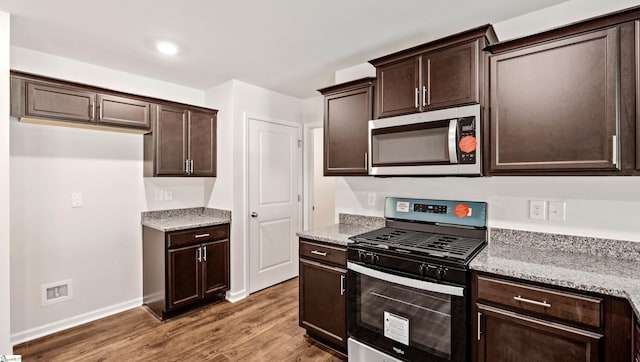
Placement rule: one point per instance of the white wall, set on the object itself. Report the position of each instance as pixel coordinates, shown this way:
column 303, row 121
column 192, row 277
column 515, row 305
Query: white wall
column 246, row 99
column 5, row 261
column 595, row 206
column 99, row 245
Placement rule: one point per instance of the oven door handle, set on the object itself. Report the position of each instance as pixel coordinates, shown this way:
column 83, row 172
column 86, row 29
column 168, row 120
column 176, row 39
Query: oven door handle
column 453, row 141
column 407, row 282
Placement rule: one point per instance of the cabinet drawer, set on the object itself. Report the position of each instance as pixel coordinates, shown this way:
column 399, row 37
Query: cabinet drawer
column 562, row 305
column 323, row 253
column 191, row 236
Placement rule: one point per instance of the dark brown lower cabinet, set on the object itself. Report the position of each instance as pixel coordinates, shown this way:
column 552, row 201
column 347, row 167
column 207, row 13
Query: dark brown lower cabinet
column 509, row 336
column 515, row 320
column 636, row 340
column 323, row 310
column 184, row 268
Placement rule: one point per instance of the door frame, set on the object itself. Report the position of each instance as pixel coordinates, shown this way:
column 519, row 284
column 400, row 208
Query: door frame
column 247, row 116
column 307, row 198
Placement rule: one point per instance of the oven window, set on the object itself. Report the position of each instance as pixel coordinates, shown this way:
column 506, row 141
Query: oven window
column 404, row 314
column 409, row 147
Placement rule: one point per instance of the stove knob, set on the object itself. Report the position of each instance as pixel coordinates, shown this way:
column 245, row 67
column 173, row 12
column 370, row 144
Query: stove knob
column 361, row 256
column 423, row 269
column 441, row 272
column 375, row 259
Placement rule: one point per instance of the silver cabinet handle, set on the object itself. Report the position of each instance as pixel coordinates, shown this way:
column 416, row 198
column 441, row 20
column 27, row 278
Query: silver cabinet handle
column 479, row 320
column 424, row 96
column 254, row 214
column 534, row 302
column 417, row 95
column 199, row 256
column 204, row 252
column 202, row 236
column 190, row 166
column 342, row 290
column 614, row 153
column 92, row 110
column 321, row 253
column 366, row 160
column 100, row 112
column 186, row 166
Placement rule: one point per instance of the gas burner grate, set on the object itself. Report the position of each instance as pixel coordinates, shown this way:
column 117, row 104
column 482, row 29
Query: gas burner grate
column 444, row 246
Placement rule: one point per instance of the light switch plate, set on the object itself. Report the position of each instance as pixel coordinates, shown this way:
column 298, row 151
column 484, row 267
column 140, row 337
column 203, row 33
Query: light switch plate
column 371, row 198
column 557, row 210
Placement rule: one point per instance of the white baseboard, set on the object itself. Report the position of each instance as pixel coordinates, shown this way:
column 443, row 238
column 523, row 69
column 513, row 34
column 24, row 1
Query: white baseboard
column 236, row 296
column 58, row 326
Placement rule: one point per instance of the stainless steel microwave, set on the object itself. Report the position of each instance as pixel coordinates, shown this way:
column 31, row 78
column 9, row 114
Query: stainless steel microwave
column 437, row 143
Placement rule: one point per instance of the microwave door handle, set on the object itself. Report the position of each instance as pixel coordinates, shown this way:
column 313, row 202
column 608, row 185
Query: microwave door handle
column 453, row 141
column 407, row 282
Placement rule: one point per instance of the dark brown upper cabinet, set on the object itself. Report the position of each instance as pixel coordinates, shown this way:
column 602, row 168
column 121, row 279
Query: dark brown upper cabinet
column 182, row 142
column 636, row 84
column 439, row 74
column 348, row 107
column 564, row 102
column 38, row 99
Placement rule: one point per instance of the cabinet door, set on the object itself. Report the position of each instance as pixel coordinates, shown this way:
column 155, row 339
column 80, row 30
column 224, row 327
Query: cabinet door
column 553, row 105
column 215, row 267
column 184, row 276
column 450, row 76
column 346, row 119
column 202, row 143
column 398, row 88
column 509, row 336
column 61, row 102
column 171, row 141
column 322, row 302
column 121, row 111
column 636, row 25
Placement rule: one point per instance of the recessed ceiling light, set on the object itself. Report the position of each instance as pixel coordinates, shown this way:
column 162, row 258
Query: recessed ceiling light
column 166, row 47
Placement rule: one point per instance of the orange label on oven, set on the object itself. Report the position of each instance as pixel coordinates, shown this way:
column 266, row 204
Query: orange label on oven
column 461, row 210
column 468, row 144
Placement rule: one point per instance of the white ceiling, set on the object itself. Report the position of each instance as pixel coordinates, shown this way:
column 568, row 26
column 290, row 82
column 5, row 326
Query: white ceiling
column 290, row 46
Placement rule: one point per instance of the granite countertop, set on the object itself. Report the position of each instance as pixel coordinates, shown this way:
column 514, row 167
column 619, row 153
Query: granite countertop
column 349, row 225
column 609, row 267
column 181, row 219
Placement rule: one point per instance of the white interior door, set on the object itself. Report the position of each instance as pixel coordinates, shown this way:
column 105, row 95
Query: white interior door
column 324, row 188
column 274, row 206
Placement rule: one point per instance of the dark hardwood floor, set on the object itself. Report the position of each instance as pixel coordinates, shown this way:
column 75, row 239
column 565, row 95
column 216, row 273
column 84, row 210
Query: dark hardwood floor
column 261, row 327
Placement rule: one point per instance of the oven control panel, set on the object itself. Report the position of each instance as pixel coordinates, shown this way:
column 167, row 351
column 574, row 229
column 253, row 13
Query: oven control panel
column 465, row 213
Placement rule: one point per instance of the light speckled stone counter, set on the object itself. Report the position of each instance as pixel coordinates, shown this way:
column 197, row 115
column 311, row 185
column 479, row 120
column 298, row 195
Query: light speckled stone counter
column 181, row 219
column 349, row 225
column 610, row 267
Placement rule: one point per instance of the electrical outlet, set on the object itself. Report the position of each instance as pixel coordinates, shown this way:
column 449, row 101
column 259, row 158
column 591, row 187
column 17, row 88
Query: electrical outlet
column 537, row 209
column 371, row 198
column 76, row 199
column 557, row 210
column 159, row 194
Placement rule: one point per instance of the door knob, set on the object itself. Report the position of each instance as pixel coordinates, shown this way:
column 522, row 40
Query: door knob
column 254, row 214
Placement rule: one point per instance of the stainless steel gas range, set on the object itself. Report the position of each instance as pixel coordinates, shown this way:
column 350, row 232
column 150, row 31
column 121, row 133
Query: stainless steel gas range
column 408, row 283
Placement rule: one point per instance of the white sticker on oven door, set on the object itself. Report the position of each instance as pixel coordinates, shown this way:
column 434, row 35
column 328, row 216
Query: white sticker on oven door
column 402, row 206
column 396, row 328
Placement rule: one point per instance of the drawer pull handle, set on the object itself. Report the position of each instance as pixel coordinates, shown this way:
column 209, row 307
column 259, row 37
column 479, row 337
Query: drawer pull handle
column 321, row 253
column 342, row 289
column 534, row 302
column 202, row 236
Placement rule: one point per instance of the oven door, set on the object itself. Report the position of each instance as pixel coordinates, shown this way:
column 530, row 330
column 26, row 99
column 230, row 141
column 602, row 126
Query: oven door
column 408, row 318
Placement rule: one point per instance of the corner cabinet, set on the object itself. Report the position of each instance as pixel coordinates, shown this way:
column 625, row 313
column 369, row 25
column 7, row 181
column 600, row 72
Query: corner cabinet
column 439, row 74
column 564, row 102
column 348, row 107
column 520, row 321
column 182, row 142
column 184, row 268
column 38, row 100
column 323, row 308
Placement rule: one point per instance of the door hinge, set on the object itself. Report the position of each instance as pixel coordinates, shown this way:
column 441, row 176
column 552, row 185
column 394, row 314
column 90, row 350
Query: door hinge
column 299, row 143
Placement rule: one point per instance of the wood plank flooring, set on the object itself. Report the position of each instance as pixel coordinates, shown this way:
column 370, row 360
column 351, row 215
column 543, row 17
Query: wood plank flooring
column 261, row 327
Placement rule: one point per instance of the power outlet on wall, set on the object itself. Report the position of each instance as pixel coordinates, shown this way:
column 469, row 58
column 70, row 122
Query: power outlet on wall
column 371, row 198
column 537, row 209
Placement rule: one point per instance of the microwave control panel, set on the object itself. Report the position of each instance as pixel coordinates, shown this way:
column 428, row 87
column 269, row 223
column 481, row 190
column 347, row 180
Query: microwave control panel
column 468, row 142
